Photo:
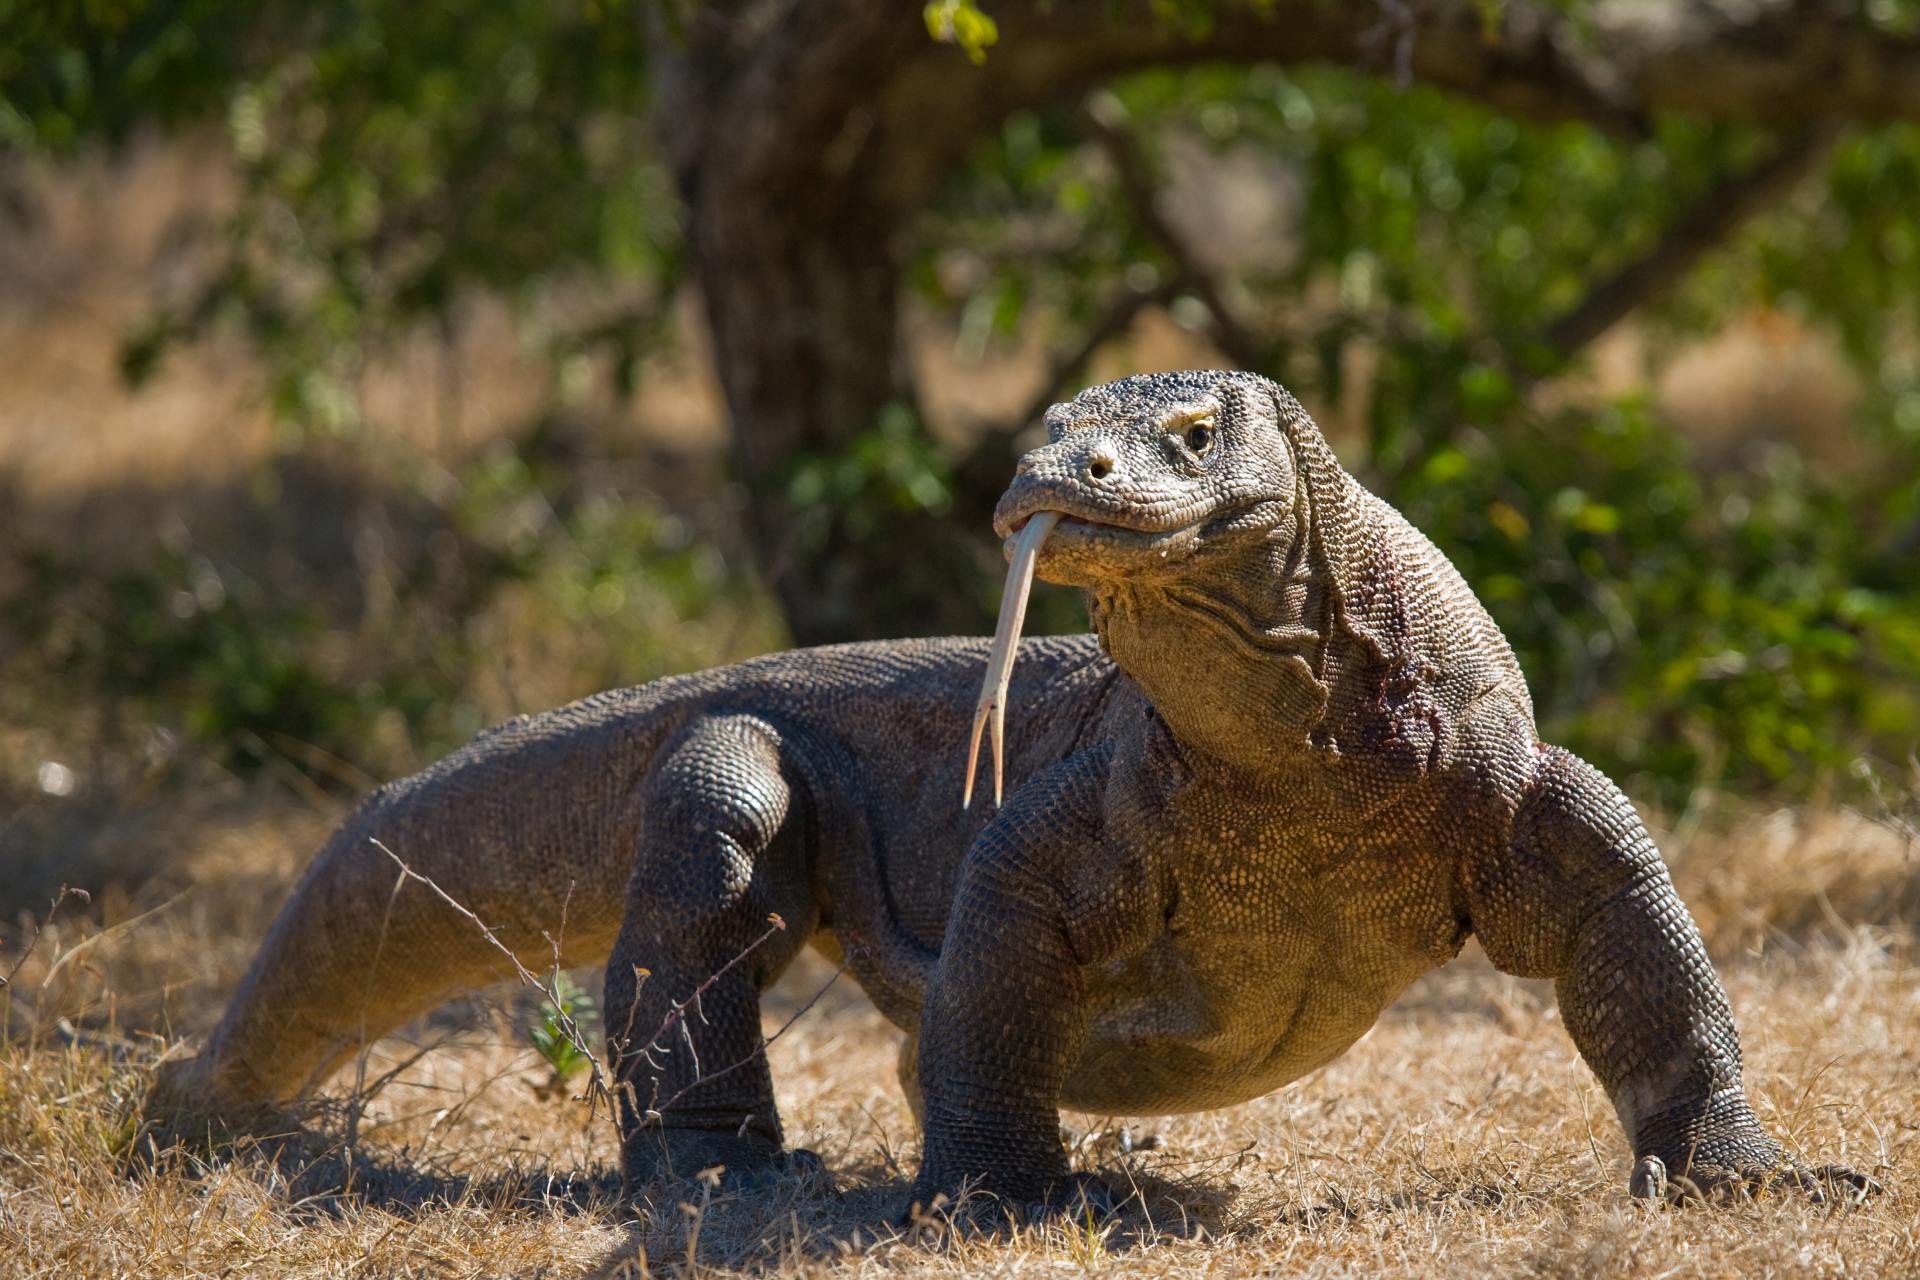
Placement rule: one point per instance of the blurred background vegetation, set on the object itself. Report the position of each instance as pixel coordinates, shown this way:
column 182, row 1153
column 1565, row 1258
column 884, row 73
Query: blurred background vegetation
column 372, row 371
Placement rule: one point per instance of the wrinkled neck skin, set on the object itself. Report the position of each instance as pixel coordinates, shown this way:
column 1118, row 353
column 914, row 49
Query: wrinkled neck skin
column 1234, row 650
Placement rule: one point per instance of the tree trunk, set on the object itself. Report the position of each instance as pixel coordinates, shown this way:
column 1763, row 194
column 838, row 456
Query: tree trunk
column 797, row 185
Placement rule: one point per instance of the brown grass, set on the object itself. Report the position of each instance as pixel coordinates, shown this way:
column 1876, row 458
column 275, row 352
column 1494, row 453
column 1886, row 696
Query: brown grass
column 1462, row 1137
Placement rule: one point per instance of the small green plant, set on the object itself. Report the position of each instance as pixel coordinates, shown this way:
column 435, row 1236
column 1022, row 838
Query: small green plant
column 567, row 1058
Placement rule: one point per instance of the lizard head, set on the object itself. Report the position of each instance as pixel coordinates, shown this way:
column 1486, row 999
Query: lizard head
column 1151, row 481
column 1150, row 472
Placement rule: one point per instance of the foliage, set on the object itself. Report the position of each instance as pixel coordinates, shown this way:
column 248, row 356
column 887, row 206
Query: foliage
column 1680, row 626
column 1754, row 624
column 528, row 566
column 211, row 654
column 961, row 22
column 394, row 156
column 1750, row 621
column 891, row 468
column 551, row 1037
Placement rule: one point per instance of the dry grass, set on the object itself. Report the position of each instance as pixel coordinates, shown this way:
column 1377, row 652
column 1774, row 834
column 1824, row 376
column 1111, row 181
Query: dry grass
column 1463, row 1137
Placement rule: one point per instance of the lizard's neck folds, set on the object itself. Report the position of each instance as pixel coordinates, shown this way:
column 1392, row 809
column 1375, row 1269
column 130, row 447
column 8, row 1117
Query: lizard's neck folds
column 1233, row 657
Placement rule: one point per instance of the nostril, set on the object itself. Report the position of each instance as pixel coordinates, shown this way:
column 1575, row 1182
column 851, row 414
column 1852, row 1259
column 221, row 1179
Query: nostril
column 1100, row 464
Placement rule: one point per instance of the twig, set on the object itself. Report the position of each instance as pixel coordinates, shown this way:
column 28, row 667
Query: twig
column 598, row 1084
column 40, row 927
column 387, row 1077
column 601, row 1084
column 85, row 944
column 676, row 1012
column 356, row 1101
column 654, row 1112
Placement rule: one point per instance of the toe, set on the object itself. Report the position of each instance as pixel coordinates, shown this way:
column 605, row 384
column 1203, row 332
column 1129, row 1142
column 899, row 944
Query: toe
column 1649, row 1179
column 1846, row 1184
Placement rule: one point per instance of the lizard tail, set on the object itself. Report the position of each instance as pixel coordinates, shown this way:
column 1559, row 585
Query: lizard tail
column 537, row 852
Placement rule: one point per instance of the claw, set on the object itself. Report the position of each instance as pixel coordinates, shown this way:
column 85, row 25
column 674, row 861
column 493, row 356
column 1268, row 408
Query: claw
column 1856, row 1187
column 992, row 709
column 1649, row 1179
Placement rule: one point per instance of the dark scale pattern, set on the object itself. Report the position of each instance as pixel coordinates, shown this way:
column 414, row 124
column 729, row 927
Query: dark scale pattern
column 1296, row 769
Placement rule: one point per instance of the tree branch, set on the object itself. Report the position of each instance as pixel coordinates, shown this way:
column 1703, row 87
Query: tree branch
column 1778, row 61
column 1106, row 121
column 1711, row 220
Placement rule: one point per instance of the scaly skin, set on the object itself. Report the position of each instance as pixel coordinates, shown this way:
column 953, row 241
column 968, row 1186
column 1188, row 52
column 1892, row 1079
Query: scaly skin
column 1303, row 772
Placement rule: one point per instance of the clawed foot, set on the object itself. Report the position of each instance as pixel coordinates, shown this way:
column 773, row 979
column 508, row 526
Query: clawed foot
column 729, row 1162
column 1074, row 1198
column 798, row 1163
column 1738, row 1177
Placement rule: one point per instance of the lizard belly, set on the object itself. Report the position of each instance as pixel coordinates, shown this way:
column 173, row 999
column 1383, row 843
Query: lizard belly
column 1249, row 999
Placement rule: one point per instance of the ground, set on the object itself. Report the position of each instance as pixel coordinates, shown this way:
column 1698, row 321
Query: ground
column 1462, row 1137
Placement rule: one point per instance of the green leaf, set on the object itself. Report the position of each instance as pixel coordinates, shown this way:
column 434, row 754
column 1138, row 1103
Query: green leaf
column 961, row 22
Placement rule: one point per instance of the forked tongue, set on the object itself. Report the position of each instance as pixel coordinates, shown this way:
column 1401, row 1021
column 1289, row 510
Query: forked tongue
column 1006, row 641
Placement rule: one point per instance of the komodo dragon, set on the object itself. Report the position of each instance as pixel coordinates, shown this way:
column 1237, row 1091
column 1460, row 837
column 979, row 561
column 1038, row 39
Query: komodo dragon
column 1295, row 770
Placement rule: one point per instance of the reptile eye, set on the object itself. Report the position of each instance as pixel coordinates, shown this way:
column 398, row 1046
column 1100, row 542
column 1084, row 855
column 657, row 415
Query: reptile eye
column 1200, row 437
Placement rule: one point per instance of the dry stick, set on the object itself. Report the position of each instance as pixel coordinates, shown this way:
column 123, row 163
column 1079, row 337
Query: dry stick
column 600, row 1084
column 676, row 1012
column 387, row 1077
column 617, row 1048
column 40, row 927
column 358, row 1098
column 86, row 944
column 766, row 1043
column 6, row 979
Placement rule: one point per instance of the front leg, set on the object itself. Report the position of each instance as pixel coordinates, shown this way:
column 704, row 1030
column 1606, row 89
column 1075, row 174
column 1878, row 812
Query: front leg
column 1582, row 896
column 1041, row 897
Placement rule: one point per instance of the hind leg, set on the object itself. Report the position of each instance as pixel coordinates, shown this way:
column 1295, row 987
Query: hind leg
column 722, row 848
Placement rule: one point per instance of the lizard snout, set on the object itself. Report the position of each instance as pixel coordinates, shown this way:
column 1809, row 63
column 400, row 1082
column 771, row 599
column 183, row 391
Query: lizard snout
column 1101, row 461
column 1093, row 460
column 1084, row 477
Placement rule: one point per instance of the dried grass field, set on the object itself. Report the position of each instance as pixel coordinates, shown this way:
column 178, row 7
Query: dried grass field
column 1461, row 1138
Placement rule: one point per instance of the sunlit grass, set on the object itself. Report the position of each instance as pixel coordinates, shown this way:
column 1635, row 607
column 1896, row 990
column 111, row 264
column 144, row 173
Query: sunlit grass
column 1462, row 1137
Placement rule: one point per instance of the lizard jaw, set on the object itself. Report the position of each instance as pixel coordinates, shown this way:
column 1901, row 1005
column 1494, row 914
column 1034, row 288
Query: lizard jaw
column 1025, row 537
column 1086, row 550
column 1079, row 538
